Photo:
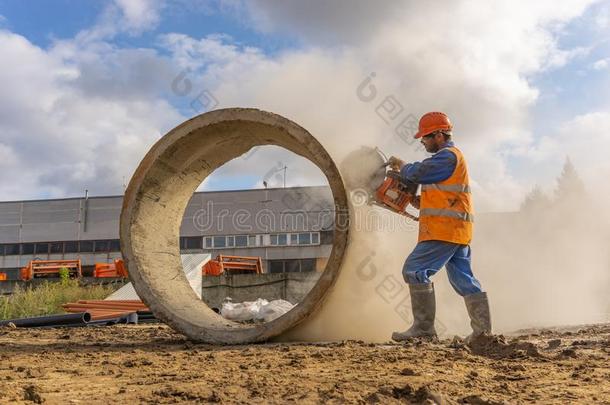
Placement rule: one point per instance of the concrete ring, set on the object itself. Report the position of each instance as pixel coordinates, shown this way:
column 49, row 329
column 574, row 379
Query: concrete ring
column 157, row 196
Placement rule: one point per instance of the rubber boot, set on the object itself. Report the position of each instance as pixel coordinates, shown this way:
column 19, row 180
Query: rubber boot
column 480, row 318
column 423, row 305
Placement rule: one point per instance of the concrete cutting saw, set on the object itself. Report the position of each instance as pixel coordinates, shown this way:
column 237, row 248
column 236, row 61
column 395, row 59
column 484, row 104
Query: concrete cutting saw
column 368, row 168
column 393, row 193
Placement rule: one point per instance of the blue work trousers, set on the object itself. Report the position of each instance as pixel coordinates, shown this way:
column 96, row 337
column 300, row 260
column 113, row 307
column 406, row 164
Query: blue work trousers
column 430, row 256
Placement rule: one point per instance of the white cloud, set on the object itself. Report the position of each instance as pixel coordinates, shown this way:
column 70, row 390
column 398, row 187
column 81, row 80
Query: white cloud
column 209, row 52
column 71, row 127
column 601, row 64
column 132, row 17
column 602, row 18
column 139, row 15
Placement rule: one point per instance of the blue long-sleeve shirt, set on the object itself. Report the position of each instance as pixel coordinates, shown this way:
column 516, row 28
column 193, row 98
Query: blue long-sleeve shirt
column 434, row 169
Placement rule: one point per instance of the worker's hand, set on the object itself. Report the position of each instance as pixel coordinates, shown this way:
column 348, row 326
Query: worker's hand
column 395, row 163
column 416, row 201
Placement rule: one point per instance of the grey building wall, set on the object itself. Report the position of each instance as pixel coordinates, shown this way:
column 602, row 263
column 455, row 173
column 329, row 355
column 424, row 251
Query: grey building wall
column 243, row 212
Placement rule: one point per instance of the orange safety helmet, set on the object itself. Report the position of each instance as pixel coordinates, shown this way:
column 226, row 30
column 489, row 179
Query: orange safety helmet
column 433, row 121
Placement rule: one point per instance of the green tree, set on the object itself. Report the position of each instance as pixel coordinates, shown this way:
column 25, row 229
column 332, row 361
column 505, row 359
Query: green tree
column 535, row 201
column 570, row 188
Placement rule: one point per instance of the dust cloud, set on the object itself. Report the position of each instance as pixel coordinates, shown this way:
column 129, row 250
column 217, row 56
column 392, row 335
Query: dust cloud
column 545, row 265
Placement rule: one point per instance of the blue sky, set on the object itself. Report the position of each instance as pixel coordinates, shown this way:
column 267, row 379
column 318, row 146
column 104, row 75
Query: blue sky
column 523, row 83
column 44, row 21
column 582, row 87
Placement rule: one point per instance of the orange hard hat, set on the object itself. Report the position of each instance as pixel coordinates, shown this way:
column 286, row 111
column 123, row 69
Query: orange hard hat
column 433, row 121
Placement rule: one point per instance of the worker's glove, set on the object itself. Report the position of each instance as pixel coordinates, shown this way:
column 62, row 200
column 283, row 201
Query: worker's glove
column 395, row 163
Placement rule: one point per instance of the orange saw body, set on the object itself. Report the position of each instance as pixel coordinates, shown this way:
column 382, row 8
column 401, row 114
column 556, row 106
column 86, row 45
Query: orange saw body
column 395, row 195
column 367, row 169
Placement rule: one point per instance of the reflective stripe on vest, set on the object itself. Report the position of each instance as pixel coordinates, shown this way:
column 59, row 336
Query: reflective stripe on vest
column 439, row 212
column 455, row 188
column 446, row 207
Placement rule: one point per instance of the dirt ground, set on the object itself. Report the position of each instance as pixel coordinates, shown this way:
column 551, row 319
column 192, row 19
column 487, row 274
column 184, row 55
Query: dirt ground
column 152, row 364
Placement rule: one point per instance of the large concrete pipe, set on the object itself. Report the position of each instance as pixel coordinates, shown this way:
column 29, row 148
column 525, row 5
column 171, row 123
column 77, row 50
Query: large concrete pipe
column 159, row 192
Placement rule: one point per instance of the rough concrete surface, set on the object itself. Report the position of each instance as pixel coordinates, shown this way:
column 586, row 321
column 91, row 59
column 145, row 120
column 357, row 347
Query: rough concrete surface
column 157, row 196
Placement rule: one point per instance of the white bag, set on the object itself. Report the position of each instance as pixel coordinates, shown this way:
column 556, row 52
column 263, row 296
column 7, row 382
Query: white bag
column 260, row 309
column 274, row 309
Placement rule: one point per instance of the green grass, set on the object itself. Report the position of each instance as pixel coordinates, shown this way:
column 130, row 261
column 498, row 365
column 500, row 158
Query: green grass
column 48, row 297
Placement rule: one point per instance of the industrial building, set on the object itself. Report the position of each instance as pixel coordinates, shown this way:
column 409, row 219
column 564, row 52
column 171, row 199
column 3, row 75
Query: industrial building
column 291, row 229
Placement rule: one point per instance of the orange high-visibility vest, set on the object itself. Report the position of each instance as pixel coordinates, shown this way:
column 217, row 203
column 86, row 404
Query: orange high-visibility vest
column 446, row 208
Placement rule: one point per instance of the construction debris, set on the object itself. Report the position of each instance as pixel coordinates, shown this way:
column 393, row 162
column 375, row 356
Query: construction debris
column 233, row 264
column 115, row 269
column 117, row 311
column 51, row 268
column 74, row 319
column 86, row 313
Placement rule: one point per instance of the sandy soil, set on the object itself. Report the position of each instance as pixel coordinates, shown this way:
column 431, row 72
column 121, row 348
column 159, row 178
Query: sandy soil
column 152, row 364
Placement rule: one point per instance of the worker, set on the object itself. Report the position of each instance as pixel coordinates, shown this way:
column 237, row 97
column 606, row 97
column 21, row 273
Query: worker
column 445, row 230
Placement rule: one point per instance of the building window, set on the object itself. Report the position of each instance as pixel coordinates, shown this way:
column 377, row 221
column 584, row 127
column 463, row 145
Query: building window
column 308, row 265
column 276, row 266
column 292, row 266
column 305, row 238
column 115, row 245
column 280, row 239
column 241, row 240
column 57, row 247
column 220, row 241
column 208, row 242
column 326, row 237
column 27, row 248
column 42, row 248
column 71, row 247
column 193, row 242
column 101, row 246
column 216, row 242
column 11, row 249
column 85, row 246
